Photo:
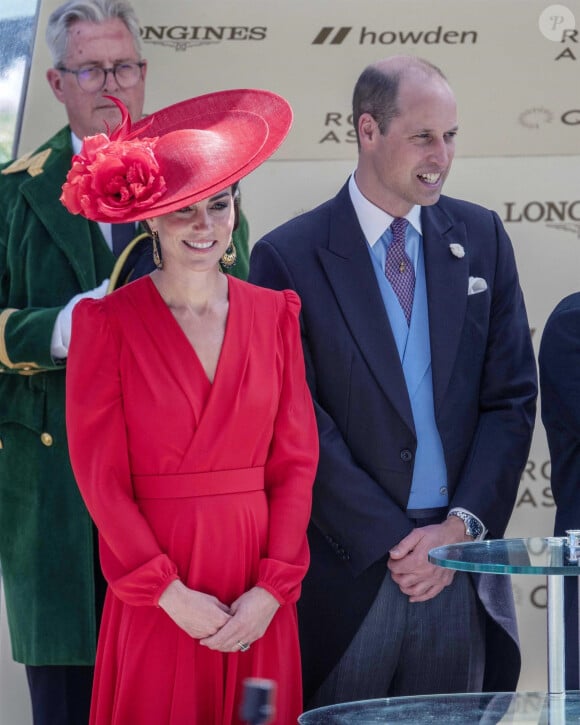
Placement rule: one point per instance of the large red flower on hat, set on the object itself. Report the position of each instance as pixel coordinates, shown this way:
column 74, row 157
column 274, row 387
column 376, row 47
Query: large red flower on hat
column 113, row 175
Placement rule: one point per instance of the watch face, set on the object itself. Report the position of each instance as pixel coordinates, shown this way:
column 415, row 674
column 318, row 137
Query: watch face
column 474, row 528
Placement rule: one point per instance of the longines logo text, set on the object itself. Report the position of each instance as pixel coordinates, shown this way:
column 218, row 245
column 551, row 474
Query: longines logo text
column 543, row 211
column 181, row 37
column 329, row 35
column 562, row 215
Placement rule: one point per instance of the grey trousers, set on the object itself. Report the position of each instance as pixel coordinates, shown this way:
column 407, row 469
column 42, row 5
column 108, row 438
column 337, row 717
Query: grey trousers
column 404, row 648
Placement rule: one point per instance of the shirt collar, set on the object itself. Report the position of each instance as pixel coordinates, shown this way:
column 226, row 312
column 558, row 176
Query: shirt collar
column 77, row 143
column 374, row 221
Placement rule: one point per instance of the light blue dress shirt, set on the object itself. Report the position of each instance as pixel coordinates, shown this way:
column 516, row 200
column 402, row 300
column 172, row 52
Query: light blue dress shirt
column 429, row 482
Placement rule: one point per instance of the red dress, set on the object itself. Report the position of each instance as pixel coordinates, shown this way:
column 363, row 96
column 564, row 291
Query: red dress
column 208, row 483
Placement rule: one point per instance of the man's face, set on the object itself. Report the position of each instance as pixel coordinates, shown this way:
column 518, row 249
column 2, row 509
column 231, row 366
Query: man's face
column 97, row 44
column 409, row 164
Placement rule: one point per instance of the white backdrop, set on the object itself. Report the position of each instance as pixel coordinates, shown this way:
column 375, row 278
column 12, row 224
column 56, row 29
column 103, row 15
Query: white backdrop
column 515, row 84
column 515, row 67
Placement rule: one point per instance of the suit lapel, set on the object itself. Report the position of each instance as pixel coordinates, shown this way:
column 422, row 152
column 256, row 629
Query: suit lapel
column 72, row 234
column 447, row 279
column 350, row 274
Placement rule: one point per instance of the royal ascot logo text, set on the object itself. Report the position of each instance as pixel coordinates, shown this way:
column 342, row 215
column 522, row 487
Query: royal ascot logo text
column 338, row 128
column 570, row 40
column 182, row 37
column 334, row 35
column 558, row 24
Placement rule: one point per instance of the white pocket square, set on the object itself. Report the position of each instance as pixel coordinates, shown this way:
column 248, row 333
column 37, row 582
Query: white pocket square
column 476, row 285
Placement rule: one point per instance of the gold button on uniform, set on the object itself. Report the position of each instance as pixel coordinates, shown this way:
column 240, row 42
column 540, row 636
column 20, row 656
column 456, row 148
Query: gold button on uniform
column 46, row 439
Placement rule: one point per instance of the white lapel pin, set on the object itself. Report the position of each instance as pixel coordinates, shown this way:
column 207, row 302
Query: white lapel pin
column 457, row 250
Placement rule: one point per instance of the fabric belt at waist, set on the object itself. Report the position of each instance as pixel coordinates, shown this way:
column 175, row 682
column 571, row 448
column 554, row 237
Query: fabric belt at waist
column 207, row 483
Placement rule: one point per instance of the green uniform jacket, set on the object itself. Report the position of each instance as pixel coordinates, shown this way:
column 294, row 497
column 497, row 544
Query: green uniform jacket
column 46, row 537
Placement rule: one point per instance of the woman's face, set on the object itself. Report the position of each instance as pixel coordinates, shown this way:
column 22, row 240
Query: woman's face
column 197, row 235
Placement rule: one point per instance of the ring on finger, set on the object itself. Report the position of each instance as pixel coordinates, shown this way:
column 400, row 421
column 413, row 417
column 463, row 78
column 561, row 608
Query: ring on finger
column 244, row 646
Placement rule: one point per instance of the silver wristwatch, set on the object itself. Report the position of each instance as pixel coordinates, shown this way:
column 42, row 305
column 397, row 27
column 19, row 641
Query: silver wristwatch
column 473, row 526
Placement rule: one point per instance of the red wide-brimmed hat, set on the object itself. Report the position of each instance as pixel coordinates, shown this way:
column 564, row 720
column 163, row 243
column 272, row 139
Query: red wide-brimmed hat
column 175, row 157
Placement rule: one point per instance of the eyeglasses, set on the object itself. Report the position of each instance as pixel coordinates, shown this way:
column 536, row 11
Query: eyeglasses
column 94, row 77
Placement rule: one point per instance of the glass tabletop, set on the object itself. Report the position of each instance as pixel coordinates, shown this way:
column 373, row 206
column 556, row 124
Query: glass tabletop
column 487, row 708
column 550, row 555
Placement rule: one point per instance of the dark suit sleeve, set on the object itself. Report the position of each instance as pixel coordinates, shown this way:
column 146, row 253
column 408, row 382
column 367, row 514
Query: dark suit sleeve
column 352, row 518
column 560, row 385
column 489, row 479
column 560, row 388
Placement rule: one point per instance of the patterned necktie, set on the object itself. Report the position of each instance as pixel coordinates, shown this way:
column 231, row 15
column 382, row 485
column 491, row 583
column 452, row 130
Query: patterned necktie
column 399, row 268
column 121, row 235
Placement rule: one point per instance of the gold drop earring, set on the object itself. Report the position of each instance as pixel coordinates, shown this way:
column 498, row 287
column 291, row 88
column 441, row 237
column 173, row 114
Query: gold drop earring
column 230, row 256
column 156, row 250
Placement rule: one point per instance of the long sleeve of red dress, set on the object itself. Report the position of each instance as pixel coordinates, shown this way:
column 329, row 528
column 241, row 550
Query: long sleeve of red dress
column 294, row 432
column 133, row 562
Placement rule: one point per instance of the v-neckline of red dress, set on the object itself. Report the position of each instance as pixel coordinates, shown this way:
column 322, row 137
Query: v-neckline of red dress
column 167, row 312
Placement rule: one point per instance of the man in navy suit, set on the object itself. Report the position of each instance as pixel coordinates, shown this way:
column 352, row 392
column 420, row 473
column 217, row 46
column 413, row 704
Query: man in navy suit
column 560, row 388
column 421, row 367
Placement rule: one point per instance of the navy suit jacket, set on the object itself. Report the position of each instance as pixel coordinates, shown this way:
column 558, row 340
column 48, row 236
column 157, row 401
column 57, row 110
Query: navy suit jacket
column 484, row 386
column 560, row 386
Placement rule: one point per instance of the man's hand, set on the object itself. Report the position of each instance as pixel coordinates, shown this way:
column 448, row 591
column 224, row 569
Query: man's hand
column 60, row 341
column 409, row 564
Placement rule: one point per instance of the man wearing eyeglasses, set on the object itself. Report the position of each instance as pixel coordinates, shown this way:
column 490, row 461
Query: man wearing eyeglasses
column 99, row 59
column 49, row 260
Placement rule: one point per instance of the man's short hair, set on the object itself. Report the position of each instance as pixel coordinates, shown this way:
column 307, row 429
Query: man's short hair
column 377, row 91
column 92, row 11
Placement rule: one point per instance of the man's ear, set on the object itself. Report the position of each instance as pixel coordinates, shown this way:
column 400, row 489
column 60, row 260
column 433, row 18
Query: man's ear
column 54, row 78
column 367, row 128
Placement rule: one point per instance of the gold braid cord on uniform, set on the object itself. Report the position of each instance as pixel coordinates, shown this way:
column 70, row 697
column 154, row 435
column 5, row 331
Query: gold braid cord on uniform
column 121, row 259
column 22, row 368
